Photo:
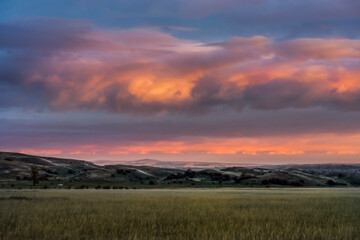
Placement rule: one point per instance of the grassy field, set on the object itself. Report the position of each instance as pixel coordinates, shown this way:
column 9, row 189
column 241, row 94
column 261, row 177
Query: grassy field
column 181, row 214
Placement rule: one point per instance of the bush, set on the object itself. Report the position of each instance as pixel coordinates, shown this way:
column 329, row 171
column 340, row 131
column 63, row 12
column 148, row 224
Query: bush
column 278, row 181
column 265, row 182
column 151, row 182
column 26, row 178
column 123, row 171
column 43, row 177
column 333, row 183
column 189, row 173
column 237, row 179
column 297, row 183
column 218, row 176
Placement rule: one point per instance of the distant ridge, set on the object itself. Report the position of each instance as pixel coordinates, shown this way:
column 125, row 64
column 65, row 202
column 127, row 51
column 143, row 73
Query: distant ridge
column 176, row 164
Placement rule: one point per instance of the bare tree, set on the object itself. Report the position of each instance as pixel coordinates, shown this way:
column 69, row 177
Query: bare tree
column 34, row 175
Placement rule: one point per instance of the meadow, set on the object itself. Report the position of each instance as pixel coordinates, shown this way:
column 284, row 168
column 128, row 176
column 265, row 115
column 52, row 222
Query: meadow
column 326, row 213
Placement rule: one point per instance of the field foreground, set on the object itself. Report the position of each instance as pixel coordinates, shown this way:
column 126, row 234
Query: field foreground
column 181, row 214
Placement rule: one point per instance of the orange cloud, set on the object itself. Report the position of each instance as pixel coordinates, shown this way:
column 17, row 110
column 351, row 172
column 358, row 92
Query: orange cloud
column 318, row 48
column 322, row 143
column 40, row 151
column 328, row 144
column 146, row 71
column 80, row 67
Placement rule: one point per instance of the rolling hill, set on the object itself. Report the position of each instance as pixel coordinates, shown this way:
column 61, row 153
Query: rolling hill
column 55, row 172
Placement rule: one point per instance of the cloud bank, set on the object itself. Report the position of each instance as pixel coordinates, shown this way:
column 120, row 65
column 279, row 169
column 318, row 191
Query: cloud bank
column 72, row 65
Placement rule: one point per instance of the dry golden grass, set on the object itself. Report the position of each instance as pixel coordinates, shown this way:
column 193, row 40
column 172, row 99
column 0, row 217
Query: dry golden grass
column 180, row 214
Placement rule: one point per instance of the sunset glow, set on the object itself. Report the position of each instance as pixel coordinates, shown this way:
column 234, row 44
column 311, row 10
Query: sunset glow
column 181, row 85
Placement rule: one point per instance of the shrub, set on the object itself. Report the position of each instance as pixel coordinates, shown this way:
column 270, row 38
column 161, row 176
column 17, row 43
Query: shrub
column 151, row 182
column 189, row 173
column 297, row 183
column 333, row 183
column 278, row 181
column 237, row 179
column 123, row 171
column 27, row 178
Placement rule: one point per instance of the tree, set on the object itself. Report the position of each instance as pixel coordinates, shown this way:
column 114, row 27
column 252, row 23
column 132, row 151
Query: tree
column 34, row 175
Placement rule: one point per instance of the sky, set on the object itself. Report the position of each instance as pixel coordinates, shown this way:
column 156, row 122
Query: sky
column 245, row 81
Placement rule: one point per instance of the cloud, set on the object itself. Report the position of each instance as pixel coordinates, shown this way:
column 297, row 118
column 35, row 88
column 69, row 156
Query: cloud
column 317, row 48
column 185, row 29
column 77, row 66
column 306, row 135
column 327, row 146
column 202, row 8
column 41, row 35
